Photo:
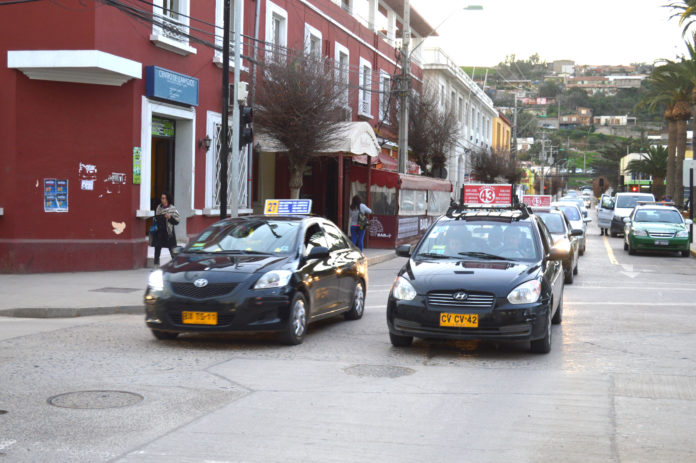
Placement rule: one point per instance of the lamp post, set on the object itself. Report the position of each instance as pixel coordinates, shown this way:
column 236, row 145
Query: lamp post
column 405, row 77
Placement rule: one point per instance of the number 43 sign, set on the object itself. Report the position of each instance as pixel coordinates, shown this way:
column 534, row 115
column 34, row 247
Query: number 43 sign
column 488, row 194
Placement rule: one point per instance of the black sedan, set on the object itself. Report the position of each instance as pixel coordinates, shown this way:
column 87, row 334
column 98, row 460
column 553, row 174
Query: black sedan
column 491, row 275
column 255, row 274
column 563, row 236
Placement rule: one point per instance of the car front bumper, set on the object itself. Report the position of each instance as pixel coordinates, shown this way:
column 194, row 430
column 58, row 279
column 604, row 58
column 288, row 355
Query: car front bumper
column 650, row 243
column 505, row 322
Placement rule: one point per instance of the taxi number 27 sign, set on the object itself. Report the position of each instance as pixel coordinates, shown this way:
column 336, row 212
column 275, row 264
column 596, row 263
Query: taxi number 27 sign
column 488, row 194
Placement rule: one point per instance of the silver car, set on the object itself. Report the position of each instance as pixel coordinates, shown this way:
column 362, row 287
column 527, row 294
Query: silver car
column 576, row 219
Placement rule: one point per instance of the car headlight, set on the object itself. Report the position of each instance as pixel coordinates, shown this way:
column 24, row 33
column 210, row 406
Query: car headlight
column 274, row 279
column 156, row 281
column 403, row 290
column 639, row 232
column 682, row 234
column 526, row 293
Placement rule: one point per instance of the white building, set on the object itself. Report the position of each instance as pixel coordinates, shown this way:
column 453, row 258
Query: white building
column 474, row 109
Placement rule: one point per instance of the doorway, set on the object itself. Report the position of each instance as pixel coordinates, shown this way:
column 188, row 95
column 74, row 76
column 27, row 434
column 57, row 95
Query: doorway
column 162, row 160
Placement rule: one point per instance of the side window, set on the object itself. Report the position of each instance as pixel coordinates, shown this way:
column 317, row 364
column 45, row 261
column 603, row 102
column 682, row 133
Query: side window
column 334, row 238
column 314, row 237
column 545, row 236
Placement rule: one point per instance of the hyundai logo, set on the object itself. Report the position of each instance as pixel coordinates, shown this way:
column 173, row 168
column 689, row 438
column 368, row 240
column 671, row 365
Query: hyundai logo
column 460, row 296
column 201, row 282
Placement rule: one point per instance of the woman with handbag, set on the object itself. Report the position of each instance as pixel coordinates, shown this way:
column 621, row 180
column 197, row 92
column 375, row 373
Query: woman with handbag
column 166, row 216
column 358, row 221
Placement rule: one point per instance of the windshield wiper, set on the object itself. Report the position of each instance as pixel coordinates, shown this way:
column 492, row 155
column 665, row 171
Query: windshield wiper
column 241, row 251
column 483, row 255
column 432, row 254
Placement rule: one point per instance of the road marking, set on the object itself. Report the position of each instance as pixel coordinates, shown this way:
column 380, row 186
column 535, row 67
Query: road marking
column 612, row 259
column 628, row 304
column 640, row 288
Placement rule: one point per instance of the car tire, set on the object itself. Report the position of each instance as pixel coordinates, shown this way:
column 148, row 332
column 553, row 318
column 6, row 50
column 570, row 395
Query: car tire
column 568, row 277
column 164, row 335
column 357, row 307
column 686, row 253
column 400, row 341
column 631, row 251
column 613, row 234
column 558, row 316
column 575, row 270
column 296, row 328
column 543, row 345
column 625, row 246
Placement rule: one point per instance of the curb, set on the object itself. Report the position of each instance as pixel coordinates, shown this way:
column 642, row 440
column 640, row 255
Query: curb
column 45, row 312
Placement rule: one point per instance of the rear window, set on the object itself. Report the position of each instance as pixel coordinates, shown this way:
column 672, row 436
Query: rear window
column 571, row 212
column 554, row 222
column 630, row 201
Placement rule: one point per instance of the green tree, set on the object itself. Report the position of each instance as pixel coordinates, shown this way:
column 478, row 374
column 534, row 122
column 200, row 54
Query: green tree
column 654, row 164
column 550, row 89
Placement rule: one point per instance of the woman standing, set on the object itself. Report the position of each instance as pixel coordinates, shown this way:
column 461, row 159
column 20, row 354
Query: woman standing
column 166, row 216
column 357, row 233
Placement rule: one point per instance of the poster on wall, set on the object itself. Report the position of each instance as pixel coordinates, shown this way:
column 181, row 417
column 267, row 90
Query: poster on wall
column 55, row 195
column 136, row 165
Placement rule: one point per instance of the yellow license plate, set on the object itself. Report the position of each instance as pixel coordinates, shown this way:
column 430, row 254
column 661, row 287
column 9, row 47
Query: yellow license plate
column 459, row 320
column 199, row 318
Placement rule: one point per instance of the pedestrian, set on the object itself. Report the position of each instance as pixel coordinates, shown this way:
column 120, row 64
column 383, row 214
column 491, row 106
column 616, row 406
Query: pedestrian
column 166, row 216
column 357, row 226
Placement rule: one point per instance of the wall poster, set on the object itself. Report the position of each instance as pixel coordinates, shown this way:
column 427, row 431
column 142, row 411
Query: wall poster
column 55, row 195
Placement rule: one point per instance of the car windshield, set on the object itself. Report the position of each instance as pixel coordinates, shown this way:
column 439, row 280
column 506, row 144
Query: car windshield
column 250, row 236
column 460, row 239
column 655, row 215
column 554, row 222
column 630, row 201
column 570, row 211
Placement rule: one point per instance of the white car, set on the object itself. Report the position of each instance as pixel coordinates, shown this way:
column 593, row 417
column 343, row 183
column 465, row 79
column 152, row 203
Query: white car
column 605, row 213
column 623, row 206
column 574, row 216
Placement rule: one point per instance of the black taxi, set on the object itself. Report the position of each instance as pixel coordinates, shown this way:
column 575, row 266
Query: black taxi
column 488, row 273
column 255, row 274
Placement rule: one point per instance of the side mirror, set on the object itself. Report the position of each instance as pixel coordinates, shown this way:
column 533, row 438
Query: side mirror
column 688, row 222
column 559, row 253
column 577, row 232
column 319, row 252
column 626, row 220
column 177, row 250
column 404, row 250
column 587, row 220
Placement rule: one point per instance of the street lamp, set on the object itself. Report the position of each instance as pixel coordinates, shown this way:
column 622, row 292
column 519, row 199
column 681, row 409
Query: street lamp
column 405, row 77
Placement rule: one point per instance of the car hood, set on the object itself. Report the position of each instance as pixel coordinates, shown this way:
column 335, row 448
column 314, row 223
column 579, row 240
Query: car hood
column 236, row 263
column 489, row 276
column 659, row 227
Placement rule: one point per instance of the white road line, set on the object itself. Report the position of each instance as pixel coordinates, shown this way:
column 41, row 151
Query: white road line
column 654, row 304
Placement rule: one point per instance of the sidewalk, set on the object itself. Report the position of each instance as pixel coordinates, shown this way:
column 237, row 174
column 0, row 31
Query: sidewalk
column 58, row 295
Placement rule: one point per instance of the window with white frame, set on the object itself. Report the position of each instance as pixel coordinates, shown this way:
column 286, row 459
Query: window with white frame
column 312, row 41
column 276, row 30
column 219, row 23
column 170, row 27
column 365, row 92
column 385, row 92
column 342, row 63
column 460, row 112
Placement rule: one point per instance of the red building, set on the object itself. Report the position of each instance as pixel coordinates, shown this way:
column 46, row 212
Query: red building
column 104, row 106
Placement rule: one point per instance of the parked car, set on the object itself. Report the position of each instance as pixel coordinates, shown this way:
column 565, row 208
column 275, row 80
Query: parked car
column 479, row 274
column 579, row 202
column 258, row 273
column 623, row 206
column 563, row 236
column 587, row 198
column 605, row 213
column 657, row 228
column 577, row 221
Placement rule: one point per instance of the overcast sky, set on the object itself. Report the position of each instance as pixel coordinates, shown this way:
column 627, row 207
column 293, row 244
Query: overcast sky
column 587, row 32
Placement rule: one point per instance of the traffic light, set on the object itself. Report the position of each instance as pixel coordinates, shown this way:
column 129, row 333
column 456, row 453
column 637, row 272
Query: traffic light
column 634, row 188
column 246, row 134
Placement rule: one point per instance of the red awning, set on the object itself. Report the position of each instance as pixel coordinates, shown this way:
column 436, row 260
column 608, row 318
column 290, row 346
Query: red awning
column 419, row 182
column 388, row 162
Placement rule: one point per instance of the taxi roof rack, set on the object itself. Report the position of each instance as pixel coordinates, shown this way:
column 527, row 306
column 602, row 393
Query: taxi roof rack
column 655, row 203
column 507, row 212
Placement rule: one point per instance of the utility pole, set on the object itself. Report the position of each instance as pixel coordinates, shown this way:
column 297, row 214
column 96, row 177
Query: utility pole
column 403, row 88
column 234, row 196
column 513, row 148
column 225, row 142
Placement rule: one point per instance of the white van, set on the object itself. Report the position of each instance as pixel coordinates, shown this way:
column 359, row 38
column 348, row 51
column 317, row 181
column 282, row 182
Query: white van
column 623, row 205
column 605, row 212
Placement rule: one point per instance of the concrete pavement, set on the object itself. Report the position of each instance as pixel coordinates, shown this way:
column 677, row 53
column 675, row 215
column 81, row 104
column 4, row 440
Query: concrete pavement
column 58, row 295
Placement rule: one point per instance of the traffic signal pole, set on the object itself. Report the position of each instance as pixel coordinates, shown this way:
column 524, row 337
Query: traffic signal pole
column 224, row 138
column 234, row 196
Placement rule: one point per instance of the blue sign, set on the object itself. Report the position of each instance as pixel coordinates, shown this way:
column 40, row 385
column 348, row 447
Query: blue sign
column 170, row 85
column 287, row 206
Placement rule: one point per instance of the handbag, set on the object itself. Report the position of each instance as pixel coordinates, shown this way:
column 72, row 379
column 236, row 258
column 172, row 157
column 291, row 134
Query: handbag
column 363, row 221
column 153, row 229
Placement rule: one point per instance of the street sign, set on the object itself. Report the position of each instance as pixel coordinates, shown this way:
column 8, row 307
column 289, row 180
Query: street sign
column 537, row 200
column 488, row 194
column 287, row 206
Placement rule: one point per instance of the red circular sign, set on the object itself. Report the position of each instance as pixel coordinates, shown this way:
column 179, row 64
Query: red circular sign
column 487, row 195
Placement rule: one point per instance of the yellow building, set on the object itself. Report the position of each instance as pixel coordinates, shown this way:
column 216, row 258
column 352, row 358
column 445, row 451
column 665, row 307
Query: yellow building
column 502, row 132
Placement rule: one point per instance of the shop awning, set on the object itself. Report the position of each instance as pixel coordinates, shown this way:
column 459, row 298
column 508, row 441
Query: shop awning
column 419, row 182
column 79, row 66
column 354, row 137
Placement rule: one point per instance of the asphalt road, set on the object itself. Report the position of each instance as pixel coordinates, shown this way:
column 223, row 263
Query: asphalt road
column 618, row 385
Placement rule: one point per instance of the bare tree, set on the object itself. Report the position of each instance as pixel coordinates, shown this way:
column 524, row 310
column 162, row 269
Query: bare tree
column 432, row 129
column 494, row 167
column 299, row 102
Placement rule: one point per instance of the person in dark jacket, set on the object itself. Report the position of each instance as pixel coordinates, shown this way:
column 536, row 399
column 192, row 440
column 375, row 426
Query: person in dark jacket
column 166, row 217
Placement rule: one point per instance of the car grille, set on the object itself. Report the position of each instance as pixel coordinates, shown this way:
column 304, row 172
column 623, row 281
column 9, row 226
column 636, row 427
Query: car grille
column 661, row 235
column 473, row 300
column 210, row 290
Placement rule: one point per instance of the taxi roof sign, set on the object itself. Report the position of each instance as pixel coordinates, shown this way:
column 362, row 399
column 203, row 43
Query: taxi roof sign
column 482, row 194
column 287, row 206
column 537, row 200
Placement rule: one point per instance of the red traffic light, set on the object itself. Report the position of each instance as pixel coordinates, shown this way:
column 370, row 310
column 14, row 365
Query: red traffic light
column 634, row 188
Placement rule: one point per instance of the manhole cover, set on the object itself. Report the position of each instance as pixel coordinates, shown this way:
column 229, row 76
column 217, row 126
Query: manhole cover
column 115, row 290
column 379, row 371
column 95, row 399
